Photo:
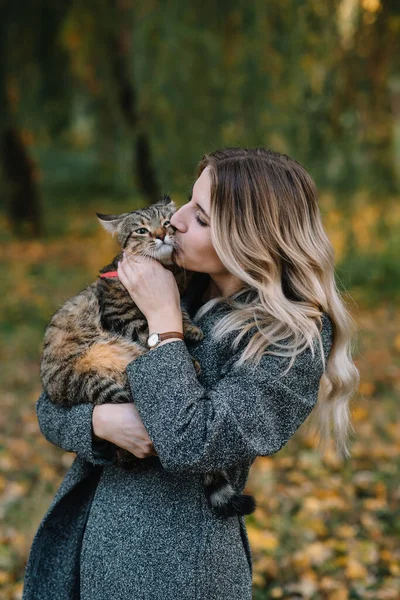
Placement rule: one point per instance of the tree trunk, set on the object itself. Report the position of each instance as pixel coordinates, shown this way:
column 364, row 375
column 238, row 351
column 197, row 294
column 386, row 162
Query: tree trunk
column 22, row 201
column 142, row 154
column 20, row 192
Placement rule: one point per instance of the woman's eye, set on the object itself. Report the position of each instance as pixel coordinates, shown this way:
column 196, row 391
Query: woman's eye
column 142, row 230
column 166, row 223
column 200, row 222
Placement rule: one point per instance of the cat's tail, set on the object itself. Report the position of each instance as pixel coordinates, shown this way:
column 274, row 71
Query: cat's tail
column 224, row 499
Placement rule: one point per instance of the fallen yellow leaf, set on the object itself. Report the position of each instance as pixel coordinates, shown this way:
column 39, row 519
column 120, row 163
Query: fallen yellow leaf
column 345, row 531
column 396, row 343
column 355, row 570
column 262, row 540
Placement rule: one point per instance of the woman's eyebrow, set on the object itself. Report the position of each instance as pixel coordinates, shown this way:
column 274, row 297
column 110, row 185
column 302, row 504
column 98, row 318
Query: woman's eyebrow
column 198, row 205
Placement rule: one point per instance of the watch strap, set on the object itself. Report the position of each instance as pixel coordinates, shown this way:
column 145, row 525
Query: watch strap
column 170, row 334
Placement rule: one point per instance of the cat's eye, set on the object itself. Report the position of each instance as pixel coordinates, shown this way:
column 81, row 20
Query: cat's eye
column 142, row 230
column 166, row 223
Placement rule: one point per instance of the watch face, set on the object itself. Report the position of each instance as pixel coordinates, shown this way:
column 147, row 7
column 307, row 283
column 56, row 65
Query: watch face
column 152, row 340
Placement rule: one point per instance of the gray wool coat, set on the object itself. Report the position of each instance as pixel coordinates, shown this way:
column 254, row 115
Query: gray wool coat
column 111, row 534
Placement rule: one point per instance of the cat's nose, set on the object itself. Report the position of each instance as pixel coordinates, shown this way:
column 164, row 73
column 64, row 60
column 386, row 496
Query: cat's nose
column 160, row 236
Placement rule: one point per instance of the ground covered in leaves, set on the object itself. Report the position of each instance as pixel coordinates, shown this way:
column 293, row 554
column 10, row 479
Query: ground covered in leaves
column 323, row 529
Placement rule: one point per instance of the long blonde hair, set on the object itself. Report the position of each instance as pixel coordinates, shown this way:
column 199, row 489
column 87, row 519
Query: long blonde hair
column 266, row 229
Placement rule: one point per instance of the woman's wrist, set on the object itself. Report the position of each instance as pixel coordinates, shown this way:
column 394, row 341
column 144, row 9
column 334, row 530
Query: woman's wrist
column 167, row 322
column 98, row 423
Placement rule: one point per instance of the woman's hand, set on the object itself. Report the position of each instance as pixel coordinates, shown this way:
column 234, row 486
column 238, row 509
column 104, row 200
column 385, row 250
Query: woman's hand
column 121, row 424
column 152, row 287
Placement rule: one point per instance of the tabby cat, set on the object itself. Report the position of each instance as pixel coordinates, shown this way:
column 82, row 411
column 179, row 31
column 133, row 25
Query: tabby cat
column 93, row 337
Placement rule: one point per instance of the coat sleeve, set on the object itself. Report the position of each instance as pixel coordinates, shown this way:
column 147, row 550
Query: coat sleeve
column 247, row 413
column 71, row 429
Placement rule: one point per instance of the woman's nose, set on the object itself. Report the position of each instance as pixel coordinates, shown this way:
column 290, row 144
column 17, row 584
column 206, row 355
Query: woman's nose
column 176, row 221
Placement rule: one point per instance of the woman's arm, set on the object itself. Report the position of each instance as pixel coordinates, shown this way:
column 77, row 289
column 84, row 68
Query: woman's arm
column 248, row 413
column 71, row 428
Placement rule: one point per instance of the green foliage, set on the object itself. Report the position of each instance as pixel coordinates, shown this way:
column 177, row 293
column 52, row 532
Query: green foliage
column 305, row 78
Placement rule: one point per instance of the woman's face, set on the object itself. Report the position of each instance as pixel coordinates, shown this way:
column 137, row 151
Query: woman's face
column 192, row 222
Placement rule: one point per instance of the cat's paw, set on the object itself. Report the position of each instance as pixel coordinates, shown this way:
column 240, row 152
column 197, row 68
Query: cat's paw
column 196, row 365
column 193, row 333
column 129, row 462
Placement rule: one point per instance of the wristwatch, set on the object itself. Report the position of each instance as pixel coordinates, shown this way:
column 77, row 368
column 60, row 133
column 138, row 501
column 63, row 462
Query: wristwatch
column 155, row 338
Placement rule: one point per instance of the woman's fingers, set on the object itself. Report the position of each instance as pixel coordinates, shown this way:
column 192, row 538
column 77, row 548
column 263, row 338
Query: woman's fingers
column 121, row 424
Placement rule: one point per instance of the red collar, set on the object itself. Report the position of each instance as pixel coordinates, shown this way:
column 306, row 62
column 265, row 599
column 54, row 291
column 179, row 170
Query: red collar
column 109, row 274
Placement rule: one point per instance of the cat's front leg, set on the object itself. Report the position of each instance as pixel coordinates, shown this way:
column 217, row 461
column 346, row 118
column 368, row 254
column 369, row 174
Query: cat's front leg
column 190, row 330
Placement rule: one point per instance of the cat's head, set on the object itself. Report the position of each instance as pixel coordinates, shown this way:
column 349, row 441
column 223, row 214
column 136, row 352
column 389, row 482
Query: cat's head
column 146, row 231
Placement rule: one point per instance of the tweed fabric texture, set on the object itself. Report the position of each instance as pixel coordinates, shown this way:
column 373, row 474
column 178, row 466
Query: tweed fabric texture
column 110, row 533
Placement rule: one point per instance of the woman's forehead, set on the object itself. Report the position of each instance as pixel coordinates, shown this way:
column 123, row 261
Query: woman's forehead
column 201, row 188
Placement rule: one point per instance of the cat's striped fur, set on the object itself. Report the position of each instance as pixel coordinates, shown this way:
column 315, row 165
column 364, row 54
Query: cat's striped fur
column 93, row 337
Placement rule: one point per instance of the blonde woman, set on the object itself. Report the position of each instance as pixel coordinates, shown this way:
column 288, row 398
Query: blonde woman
column 277, row 347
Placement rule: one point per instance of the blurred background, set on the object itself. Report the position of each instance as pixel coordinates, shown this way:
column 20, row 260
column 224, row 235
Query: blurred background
column 108, row 108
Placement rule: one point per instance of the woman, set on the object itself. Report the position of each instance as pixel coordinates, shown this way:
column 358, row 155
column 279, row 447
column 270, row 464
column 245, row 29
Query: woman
column 264, row 278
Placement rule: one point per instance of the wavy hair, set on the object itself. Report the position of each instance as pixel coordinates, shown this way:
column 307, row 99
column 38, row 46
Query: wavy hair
column 266, row 229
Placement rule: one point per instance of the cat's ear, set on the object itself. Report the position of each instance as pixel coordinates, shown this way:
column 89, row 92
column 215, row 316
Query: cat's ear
column 167, row 200
column 112, row 223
